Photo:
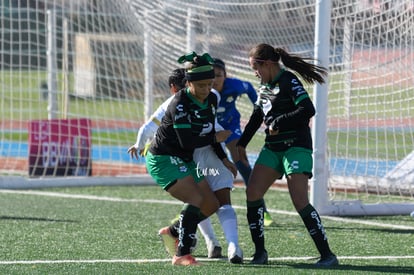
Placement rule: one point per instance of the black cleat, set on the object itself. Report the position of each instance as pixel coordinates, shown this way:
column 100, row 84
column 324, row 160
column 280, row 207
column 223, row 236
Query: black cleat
column 330, row 260
column 259, row 258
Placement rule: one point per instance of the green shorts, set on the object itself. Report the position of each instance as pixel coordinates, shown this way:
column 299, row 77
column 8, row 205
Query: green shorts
column 166, row 170
column 295, row 160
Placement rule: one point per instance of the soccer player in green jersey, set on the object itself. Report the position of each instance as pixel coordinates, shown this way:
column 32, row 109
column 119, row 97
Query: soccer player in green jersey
column 188, row 124
column 285, row 108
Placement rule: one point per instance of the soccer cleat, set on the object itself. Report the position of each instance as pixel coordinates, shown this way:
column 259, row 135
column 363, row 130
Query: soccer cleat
column 330, row 260
column 260, row 258
column 214, row 249
column 184, row 260
column 235, row 254
column 267, row 219
column 215, row 252
column 169, row 241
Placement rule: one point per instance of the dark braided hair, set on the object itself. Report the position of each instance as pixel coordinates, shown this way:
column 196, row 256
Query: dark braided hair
column 309, row 72
column 177, row 77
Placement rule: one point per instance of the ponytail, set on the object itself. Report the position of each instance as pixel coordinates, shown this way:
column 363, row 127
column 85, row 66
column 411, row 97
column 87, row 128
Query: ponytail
column 309, row 72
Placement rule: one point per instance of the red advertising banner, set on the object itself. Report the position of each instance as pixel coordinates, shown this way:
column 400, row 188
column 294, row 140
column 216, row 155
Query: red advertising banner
column 60, row 147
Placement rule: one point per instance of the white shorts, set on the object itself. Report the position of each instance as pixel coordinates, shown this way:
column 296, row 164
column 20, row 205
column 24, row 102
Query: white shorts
column 212, row 168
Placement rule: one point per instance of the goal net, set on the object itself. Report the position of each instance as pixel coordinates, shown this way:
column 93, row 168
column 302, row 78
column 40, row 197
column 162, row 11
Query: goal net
column 78, row 78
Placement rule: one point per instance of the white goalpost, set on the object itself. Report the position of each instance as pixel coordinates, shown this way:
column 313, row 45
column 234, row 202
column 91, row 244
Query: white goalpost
column 319, row 183
column 319, row 192
column 78, row 78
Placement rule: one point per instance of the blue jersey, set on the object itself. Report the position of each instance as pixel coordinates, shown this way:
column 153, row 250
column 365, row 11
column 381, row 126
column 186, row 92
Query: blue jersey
column 227, row 114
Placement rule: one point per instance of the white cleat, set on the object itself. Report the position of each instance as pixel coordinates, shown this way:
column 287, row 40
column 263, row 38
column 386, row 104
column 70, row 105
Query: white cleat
column 235, row 254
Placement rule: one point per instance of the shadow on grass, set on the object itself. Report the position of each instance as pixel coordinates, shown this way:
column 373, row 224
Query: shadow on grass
column 366, row 268
column 275, row 227
column 293, row 225
column 34, row 219
column 312, row 269
column 384, row 230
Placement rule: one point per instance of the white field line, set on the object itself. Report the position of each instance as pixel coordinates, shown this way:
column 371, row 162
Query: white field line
column 175, row 202
column 201, row 259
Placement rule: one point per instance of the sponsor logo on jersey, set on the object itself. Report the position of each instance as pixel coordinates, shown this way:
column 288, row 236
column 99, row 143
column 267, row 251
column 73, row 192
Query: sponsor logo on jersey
column 207, row 128
column 205, row 171
column 180, row 115
column 266, row 105
column 179, row 107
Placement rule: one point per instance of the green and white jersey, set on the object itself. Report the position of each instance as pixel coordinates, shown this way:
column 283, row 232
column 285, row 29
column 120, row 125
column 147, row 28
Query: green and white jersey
column 285, row 105
column 186, row 125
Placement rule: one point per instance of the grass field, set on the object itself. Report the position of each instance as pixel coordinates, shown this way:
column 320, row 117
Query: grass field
column 113, row 230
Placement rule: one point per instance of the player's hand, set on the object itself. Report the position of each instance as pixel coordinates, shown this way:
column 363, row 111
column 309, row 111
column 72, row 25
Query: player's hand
column 133, row 152
column 222, row 135
column 273, row 132
column 264, row 89
column 231, row 166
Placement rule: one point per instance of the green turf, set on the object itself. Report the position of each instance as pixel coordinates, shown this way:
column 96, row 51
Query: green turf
column 38, row 227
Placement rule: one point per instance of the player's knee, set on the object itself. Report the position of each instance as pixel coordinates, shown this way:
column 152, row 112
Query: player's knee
column 252, row 194
column 210, row 205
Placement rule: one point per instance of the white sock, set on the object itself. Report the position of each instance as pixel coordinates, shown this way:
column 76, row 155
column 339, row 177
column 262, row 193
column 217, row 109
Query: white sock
column 206, row 229
column 228, row 220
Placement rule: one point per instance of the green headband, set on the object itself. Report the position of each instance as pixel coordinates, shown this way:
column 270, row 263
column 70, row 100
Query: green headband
column 203, row 66
column 200, row 69
column 190, row 58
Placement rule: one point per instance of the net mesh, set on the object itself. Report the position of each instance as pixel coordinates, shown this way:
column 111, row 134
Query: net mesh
column 103, row 49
